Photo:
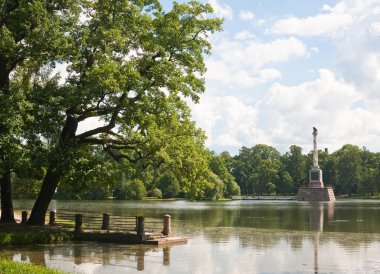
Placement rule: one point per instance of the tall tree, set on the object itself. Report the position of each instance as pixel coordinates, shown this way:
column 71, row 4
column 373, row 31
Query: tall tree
column 295, row 164
column 31, row 32
column 256, row 166
column 349, row 168
column 131, row 67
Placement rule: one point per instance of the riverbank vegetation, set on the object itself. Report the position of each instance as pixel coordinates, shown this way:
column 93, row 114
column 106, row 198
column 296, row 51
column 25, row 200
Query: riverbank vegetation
column 8, row 266
column 19, row 234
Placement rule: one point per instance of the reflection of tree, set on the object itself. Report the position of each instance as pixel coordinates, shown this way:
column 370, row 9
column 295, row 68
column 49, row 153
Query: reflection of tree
column 77, row 253
column 296, row 242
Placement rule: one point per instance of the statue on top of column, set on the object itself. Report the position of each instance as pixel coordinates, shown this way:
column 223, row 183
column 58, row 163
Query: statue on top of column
column 315, row 150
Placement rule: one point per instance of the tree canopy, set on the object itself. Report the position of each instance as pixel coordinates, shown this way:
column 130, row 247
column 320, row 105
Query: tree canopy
column 130, row 69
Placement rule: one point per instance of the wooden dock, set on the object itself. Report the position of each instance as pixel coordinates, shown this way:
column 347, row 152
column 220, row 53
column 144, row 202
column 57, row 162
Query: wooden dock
column 114, row 229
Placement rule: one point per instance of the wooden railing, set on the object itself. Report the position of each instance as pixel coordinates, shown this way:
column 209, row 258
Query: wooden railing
column 81, row 222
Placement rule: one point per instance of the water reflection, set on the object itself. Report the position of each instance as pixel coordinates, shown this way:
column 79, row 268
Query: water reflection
column 316, row 221
column 231, row 237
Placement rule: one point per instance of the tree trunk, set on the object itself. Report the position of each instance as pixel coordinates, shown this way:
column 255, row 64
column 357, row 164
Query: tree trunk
column 7, row 214
column 49, row 185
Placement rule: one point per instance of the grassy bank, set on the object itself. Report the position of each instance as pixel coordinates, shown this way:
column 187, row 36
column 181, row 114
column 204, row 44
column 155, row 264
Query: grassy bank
column 11, row 267
column 18, row 234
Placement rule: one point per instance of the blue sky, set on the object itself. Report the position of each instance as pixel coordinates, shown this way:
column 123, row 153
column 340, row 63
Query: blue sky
column 280, row 67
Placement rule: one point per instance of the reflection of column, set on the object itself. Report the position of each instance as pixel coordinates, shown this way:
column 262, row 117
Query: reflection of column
column 330, row 211
column 316, row 214
column 316, row 247
column 78, row 254
column 316, row 217
column 37, row 257
column 140, row 254
column 23, row 256
column 166, row 256
column 106, row 255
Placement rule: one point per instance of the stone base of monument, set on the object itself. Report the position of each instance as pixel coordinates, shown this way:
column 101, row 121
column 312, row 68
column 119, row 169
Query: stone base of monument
column 315, row 194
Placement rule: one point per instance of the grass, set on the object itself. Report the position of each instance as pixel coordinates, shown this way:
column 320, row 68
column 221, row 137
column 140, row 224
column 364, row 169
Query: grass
column 19, row 234
column 360, row 196
column 11, row 267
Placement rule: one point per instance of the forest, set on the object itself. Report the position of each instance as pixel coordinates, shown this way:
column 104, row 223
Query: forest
column 260, row 170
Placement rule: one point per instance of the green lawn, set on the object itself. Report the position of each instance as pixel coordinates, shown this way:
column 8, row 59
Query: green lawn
column 11, row 267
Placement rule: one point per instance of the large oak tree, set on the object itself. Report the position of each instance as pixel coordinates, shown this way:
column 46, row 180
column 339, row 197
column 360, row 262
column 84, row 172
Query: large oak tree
column 131, row 69
column 31, row 35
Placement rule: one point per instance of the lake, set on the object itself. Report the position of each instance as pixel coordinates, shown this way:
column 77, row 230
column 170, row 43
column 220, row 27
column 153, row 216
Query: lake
column 227, row 237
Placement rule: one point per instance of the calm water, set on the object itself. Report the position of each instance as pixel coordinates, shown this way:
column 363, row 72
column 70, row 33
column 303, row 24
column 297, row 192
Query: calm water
column 228, row 237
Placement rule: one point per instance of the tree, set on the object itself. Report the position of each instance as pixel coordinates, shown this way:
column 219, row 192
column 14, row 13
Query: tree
column 32, row 33
column 219, row 167
column 168, row 185
column 256, row 169
column 349, row 169
column 295, row 164
column 135, row 190
column 131, row 66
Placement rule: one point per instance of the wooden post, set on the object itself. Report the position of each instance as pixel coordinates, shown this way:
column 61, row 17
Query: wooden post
column 24, row 217
column 167, row 225
column 52, row 218
column 78, row 223
column 140, row 227
column 106, row 221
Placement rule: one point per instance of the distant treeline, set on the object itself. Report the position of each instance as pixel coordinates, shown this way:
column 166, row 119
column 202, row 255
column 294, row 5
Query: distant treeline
column 259, row 170
column 263, row 170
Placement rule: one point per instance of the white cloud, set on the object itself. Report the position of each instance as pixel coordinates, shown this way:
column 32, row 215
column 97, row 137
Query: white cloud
column 321, row 24
column 244, row 35
column 333, row 21
column 328, row 103
column 342, row 101
column 286, row 115
column 228, row 122
column 248, row 63
column 246, row 15
column 221, row 10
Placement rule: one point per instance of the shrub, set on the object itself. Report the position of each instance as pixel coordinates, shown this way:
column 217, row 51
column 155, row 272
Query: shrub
column 169, row 186
column 157, row 193
column 135, row 190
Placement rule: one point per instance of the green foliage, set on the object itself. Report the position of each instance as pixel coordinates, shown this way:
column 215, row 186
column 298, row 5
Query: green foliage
column 256, row 169
column 169, row 186
column 135, row 190
column 34, row 237
column 25, row 188
column 11, row 267
column 157, row 193
column 218, row 166
column 295, row 164
column 215, row 189
column 349, row 170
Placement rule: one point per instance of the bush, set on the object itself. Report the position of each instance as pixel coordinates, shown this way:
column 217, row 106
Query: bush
column 135, row 190
column 169, row 186
column 214, row 190
column 157, row 193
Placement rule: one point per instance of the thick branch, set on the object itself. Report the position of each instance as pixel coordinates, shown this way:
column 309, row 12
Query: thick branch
column 111, row 124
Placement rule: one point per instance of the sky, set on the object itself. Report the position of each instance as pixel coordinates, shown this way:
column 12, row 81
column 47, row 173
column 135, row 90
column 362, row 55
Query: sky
column 280, row 67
